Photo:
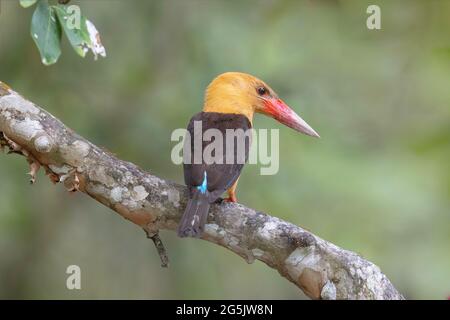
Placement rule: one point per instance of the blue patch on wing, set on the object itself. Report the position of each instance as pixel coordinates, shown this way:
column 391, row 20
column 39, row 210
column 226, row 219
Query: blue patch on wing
column 204, row 184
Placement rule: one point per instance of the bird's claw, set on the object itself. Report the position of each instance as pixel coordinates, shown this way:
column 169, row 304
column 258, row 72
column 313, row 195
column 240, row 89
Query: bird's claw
column 228, row 199
column 219, row 200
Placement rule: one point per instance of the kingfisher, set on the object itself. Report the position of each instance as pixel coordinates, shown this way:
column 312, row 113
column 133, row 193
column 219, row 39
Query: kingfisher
column 230, row 102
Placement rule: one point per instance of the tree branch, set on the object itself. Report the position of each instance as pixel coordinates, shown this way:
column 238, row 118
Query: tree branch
column 321, row 269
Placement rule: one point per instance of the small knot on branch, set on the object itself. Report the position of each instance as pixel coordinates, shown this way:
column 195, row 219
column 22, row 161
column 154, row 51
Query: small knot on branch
column 43, row 144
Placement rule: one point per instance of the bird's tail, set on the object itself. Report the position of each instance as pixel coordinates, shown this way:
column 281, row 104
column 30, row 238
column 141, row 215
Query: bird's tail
column 194, row 217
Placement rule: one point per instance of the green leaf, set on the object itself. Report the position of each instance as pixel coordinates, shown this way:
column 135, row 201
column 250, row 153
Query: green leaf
column 82, row 34
column 27, row 3
column 46, row 32
column 78, row 35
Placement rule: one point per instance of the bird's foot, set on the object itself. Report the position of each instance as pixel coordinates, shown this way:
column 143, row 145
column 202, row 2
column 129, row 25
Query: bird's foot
column 230, row 199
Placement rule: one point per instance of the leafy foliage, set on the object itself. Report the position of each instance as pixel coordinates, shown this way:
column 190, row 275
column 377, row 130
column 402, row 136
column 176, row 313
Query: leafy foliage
column 47, row 23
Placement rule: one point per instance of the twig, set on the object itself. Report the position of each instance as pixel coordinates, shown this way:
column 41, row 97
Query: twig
column 159, row 248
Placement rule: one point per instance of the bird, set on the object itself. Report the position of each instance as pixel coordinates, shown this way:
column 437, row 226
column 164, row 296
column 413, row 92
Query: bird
column 230, row 102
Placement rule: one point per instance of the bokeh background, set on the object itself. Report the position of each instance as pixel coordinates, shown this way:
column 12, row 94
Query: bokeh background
column 377, row 182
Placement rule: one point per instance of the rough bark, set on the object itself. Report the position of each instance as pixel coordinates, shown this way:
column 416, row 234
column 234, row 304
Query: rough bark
column 319, row 268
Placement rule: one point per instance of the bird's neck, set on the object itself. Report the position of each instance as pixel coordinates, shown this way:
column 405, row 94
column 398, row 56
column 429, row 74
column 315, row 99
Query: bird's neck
column 230, row 106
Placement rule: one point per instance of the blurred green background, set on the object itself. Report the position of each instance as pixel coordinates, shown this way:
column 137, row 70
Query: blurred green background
column 377, row 182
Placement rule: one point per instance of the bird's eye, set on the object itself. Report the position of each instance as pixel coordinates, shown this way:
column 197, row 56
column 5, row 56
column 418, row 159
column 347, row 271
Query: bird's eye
column 262, row 91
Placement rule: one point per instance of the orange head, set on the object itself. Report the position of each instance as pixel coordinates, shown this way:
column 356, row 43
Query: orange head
column 241, row 93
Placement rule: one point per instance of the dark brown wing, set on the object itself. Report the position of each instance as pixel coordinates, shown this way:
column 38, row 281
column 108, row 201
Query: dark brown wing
column 220, row 174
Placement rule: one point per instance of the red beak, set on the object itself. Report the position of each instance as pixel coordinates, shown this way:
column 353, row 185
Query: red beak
column 280, row 111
